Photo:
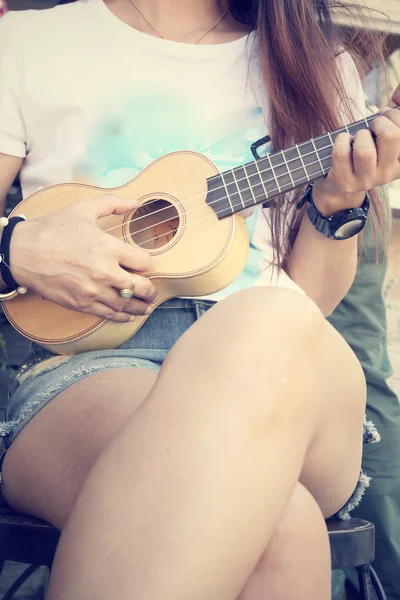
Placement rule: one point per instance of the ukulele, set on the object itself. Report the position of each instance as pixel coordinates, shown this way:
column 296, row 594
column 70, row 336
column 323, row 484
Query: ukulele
column 186, row 219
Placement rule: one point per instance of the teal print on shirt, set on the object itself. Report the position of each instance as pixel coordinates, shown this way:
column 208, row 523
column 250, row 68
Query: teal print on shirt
column 141, row 129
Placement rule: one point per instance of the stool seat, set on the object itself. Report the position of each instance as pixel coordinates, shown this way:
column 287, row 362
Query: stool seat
column 352, row 543
column 30, row 540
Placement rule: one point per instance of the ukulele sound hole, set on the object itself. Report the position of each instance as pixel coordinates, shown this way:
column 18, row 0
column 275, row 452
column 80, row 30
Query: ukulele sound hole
column 154, row 224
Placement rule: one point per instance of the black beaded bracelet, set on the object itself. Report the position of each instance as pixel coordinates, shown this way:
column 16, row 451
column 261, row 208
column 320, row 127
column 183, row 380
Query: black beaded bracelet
column 5, row 269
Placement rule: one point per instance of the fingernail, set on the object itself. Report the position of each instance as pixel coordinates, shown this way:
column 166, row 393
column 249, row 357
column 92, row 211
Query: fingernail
column 148, row 310
column 132, row 318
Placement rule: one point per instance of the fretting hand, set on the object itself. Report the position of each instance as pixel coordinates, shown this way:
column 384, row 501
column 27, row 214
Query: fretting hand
column 78, row 266
column 363, row 164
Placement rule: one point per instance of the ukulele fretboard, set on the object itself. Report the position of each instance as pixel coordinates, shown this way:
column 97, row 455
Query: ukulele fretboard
column 265, row 178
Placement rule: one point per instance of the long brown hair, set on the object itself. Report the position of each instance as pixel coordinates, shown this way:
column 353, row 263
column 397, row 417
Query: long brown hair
column 298, row 46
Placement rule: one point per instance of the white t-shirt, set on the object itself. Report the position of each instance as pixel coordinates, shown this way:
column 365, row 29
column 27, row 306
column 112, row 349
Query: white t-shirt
column 86, row 98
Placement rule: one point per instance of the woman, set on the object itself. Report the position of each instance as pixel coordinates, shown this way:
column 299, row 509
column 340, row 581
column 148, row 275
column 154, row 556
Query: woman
column 211, row 477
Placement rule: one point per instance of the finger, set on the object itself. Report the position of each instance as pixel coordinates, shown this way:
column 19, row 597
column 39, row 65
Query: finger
column 98, row 309
column 107, row 204
column 364, row 158
column 134, row 306
column 387, row 141
column 133, row 258
column 143, row 288
column 392, row 115
column 395, row 99
column 246, row 214
column 342, row 162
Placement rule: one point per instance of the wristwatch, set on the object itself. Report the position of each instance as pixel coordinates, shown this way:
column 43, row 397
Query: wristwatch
column 341, row 225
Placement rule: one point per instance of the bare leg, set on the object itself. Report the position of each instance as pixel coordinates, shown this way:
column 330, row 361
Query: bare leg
column 214, row 454
column 297, row 556
column 296, row 564
column 50, row 459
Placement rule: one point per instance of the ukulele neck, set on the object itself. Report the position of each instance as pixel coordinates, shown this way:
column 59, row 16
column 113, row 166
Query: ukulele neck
column 265, row 178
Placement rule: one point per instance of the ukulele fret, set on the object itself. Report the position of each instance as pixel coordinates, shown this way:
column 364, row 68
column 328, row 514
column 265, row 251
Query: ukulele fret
column 302, row 162
column 226, row 189
column 323, row 149
column 244, row 185
column 233, row 190
column 261, row 179
column 288, row 168
column 248, row 181
column 238, row 189
column 268, row 157
column 255, row 177
column 317, row 155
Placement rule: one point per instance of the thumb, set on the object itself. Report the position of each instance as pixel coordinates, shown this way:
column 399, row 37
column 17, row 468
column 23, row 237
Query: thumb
column 395, row 100
column 108, row 204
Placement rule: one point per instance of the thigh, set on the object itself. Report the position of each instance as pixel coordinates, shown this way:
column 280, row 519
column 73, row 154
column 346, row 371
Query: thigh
column 47, row 463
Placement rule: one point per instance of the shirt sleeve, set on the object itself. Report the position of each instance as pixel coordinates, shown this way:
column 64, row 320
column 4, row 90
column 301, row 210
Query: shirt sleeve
column 353, row 106
column 12, row 128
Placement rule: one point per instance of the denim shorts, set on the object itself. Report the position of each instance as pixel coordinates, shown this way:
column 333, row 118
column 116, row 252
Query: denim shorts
column 44, row 375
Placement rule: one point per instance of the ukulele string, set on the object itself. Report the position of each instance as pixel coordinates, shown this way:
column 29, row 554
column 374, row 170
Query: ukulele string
column 259, row 172
column 142, row 244
column 240, row 207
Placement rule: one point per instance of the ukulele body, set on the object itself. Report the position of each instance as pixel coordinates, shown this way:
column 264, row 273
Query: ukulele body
column 193, row 252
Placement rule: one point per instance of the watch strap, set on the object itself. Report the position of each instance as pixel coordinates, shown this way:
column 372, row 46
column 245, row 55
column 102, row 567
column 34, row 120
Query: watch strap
column 5, row 268
column 328, row 226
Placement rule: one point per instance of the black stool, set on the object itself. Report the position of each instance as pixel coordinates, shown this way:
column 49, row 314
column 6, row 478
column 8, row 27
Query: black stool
column 25, row 540
column 353, row 546
column 28, row 540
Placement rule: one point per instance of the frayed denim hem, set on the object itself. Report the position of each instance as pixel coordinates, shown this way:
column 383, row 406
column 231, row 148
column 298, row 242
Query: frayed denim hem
column 45, row 380
column 370, row 436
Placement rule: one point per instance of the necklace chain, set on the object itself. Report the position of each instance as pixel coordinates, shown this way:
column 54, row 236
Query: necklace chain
column 163, row 38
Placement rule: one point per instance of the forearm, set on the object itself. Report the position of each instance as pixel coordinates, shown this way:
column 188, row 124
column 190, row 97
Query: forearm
column 323, row 268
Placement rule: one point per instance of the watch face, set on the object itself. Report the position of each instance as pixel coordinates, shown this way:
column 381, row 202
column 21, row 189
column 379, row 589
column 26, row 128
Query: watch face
column 349, row 229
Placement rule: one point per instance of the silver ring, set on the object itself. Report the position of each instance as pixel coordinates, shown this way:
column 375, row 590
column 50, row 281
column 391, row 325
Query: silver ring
column 127, row 293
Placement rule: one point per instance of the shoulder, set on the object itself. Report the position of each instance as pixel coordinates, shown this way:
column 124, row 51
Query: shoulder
column 347, row 66
column 354, row 101
column 43, row 38
column 32, row 24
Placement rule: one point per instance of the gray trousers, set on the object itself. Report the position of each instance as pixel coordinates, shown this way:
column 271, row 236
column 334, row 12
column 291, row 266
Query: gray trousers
column 361, row 320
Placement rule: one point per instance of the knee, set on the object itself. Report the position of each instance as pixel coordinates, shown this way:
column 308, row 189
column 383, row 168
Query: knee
column 263, row 324
column 261, row 340
column 265, row 312
column 274, row 326
column 271, row 299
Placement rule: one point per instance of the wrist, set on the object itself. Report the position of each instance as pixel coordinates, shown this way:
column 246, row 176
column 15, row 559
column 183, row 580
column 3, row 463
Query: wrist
column 9, row 232
column 340, row 224
column 17, row 239
column 329, row 204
